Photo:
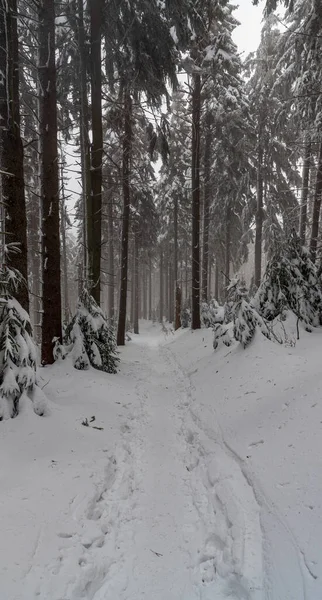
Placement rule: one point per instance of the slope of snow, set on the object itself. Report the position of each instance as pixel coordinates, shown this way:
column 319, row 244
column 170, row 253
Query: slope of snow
column 203, row 484
column 266, row 401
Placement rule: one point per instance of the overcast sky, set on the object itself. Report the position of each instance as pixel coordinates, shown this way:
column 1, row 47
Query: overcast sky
column 247, row 35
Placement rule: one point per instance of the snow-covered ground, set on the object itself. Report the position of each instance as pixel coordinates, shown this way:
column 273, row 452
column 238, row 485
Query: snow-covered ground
column 204, row 483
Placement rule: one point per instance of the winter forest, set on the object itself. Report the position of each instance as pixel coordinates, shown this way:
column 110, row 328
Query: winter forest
column 161, row 301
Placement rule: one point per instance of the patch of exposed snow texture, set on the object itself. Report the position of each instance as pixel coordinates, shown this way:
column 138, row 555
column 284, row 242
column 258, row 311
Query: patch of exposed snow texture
column 201, row 482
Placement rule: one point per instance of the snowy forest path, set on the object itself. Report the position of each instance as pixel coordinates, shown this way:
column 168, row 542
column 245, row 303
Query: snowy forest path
column 195, row 529
column 169, row 511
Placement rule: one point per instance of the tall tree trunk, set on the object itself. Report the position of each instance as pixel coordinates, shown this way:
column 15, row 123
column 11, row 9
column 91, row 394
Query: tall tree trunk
column 316, row 208
column 52, row 317
column 177, row 318
column 84, row 143
column 150, row 288
column 136, row 285
column 217, row 281
column 195, row 172
column 132, row 283
column 95, row 7
column 111, row 273
column 171, row 293
column 13, row 189
column 144, row 291
column 126, row 215
column 259, row 214
column 166, row 284
column 227, row 243
column 305, row 189
column 206, row 210
column 161, row 287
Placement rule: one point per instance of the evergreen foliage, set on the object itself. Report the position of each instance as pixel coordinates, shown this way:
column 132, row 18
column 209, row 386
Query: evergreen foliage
column 245, row 317
column 17, row 349
column 291, row 282
column 185, row 315
column 212, row 313
column 92, row 337
column 221, row 333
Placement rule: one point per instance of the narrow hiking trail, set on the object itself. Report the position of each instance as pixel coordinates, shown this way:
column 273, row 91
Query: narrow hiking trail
column 173, row 514
column 185, row 522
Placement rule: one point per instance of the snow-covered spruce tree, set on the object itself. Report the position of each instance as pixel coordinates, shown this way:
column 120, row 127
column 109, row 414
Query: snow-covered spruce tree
column 186, row 315
column 92, row 337
column 290, row 282
column 221, row 333
column 17, row 349
column 245, row 316
column 211, row 313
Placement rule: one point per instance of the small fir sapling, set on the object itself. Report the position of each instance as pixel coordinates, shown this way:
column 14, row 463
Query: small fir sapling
column 221, row 333
column 91, row 337
column 211, row 313
column 17, row 348
column 185, row 316
column 245, row 316
column 291, row 281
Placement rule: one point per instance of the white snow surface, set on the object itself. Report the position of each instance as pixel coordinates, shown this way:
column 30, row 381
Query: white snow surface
column 204, row 483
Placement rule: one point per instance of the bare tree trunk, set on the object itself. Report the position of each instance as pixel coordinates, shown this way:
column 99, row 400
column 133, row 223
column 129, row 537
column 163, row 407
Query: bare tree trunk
column 161, row 287
column 259, row 214
column 177, row 318
column 84, row 143
column 166, row 284
column 136, row 285
column 144, row 291
column 95, row 7
column 195, row 172
column 126, row 216
column 63, row 223
column 150, row 288
column 13, row 188
column 305, row 189
column 206, row 210
column 316, row 208
column 111, row 272
column 52, row 314
column 217, row 281
column 227, row 242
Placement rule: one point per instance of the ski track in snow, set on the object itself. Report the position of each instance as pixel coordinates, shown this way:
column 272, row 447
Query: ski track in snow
column 176, row 515
column 285, row 567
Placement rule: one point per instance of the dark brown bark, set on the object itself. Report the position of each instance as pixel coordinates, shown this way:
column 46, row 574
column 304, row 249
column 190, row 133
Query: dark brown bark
column 52, row 317
column 111, row 273
column 217, row 281
column 195, row 171
column 136, row 285
column 94, row 251
column 177, row 318
column 63, row 221
column 305, row 190
column 259, row 215
column 161, row 287
column 206, row 209
column 150, row 289
column 316, row 208
column 166, row 283
column 132, row 285
column 84, row 143
column 126, row 216
column 171, row 293
column 144, row 292
column 12, row 176
column 227, row 244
